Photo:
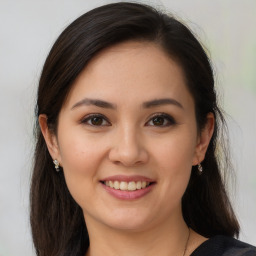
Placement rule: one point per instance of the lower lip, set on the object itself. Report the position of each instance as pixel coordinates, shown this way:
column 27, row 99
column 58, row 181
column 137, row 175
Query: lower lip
column 128, row 195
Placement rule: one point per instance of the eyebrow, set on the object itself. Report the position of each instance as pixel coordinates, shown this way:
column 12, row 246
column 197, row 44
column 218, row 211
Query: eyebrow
column 147, row 104
column 159, row 102
column 95, row 102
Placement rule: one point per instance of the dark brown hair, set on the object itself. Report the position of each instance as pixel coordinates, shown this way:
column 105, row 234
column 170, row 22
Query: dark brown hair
column 57, row 221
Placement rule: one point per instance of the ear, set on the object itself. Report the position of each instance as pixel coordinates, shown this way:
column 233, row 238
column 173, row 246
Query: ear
column 204, row 139
column 49, row 137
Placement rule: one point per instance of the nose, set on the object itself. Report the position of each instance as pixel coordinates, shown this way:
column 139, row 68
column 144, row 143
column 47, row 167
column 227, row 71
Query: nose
column 128, row 148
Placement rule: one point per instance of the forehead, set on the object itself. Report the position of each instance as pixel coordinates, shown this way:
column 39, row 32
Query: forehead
column 140, row 70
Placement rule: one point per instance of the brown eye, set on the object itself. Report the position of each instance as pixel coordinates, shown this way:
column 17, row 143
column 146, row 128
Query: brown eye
column 95, row 120
column 158, row 121
column 161, row 120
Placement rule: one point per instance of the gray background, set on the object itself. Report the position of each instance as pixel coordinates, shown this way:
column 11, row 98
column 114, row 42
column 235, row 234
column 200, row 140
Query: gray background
column 27, row 31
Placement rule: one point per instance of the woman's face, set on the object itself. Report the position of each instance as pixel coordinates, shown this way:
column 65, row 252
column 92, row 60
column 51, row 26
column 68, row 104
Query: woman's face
column 128, row 122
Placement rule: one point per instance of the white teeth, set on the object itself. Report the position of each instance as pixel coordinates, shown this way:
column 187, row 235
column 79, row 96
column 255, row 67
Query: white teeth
column 111, row 184
column 116, row 185
column 123, row 185
column 131, row 185
column 138, row 185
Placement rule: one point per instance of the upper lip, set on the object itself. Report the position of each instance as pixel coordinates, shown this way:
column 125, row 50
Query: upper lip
column 127, row 178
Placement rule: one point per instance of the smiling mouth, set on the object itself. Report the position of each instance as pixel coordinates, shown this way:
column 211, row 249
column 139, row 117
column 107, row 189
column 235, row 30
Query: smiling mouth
column 127, row 186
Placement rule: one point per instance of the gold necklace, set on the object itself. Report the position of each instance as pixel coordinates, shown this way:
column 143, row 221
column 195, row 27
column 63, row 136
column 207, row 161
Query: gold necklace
column 186, row 242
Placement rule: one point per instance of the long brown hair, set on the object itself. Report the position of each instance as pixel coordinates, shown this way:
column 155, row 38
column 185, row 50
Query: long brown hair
column 57, row 222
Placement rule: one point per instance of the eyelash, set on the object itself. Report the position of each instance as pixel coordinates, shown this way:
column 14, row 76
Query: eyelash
column 89, row 118
column 168, row 120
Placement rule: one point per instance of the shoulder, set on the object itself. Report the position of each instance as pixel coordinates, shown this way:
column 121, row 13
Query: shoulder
column 224, row 246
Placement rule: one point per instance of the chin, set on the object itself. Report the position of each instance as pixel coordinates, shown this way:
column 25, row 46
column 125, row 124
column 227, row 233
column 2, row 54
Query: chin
column 132, row 221
column 126, row 220
column 129, row 226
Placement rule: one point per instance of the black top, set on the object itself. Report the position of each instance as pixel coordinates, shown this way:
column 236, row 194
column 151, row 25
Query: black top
column 224, row 246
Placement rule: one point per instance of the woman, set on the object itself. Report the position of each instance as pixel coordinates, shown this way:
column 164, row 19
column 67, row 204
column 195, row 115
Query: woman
column 128, row 116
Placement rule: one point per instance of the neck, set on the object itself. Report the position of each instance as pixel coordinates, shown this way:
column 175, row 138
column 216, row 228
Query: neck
column 168, row 238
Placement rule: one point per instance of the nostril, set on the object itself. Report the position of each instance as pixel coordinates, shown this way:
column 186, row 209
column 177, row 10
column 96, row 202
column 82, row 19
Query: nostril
column 128, row 154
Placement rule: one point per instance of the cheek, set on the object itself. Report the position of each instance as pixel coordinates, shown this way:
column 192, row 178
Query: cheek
column 79, row 153
column 175, row 158
column 81, row 159
column 177, row 152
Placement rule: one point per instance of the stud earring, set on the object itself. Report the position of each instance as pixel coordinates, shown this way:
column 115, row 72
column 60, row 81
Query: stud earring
column 200, row 169
column 56, row 165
